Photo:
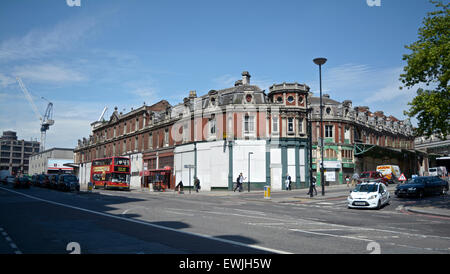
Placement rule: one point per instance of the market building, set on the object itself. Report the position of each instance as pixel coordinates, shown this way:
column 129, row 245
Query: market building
column 220, row 134
column 138, row 134
column 357, row 140
column 244, row 130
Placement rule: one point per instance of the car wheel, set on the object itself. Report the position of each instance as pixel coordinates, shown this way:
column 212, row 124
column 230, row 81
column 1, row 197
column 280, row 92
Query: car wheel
column 379, row 204
column 444, row 191
column 420, row 195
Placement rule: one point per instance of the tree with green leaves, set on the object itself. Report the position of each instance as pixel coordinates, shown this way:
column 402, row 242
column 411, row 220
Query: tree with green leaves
column 428, row 63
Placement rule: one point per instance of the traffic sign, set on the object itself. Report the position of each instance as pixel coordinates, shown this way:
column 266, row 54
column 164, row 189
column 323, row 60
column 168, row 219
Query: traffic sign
column 402, row 177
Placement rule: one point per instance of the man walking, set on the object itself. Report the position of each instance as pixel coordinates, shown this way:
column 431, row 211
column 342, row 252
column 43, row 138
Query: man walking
column 196, row 184
column 313, row 186
column 288, row 182
column 239, row 182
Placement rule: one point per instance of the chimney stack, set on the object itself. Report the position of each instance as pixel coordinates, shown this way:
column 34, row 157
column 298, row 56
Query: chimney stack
column 192, row 94
column 246, row 78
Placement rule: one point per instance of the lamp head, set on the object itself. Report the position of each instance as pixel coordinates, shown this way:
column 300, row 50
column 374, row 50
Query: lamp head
column 320, row 61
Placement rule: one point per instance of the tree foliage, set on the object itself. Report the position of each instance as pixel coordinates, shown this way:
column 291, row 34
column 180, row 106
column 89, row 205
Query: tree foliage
column 428, row 63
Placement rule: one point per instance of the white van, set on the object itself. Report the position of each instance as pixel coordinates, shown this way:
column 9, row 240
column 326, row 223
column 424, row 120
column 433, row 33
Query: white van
column 438, row 171
column 391, row 172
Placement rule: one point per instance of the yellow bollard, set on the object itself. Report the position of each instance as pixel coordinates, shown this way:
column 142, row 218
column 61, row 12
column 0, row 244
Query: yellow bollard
column 266, row 192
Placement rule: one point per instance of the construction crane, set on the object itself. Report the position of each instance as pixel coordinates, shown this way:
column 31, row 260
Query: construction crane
column 47, row 120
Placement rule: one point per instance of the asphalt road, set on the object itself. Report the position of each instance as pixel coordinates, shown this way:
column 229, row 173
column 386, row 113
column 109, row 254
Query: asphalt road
column 45, row 221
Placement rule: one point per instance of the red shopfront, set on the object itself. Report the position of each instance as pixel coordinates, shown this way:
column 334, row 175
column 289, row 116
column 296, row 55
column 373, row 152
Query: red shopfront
column 158, row 169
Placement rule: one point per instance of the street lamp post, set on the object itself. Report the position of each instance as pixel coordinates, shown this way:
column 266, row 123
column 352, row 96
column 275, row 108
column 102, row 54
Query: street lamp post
column 250, row 153
column 320, row 62
column 310, row 150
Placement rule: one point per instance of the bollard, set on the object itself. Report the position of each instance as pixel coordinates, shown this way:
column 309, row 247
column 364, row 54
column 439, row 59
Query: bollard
column 266, row 192
column 90, row 187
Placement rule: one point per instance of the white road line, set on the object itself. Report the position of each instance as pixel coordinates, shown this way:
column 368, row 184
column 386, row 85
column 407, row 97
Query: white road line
column 11, row 243
column 331, row 235
column 151, row 225
column 179, row 213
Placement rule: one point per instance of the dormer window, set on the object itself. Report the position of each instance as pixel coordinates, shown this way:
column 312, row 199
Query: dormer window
column 248, row 98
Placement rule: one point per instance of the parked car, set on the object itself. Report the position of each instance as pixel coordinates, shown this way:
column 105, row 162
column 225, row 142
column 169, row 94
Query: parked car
column 10, row 179
column 371, row 176
column 372, row 194
column 53, row 181
column 22, row 182
column 422, row 186
column 43, row 180
column 3, row 175
column 34, row 180
column 68, row 182
column 440, row 171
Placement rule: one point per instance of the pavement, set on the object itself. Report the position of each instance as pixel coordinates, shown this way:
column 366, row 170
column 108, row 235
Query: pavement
column 436, row 206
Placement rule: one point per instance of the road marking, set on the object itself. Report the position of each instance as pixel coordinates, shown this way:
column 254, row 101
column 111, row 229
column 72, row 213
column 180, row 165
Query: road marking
column 179, row 213
column 331, row 235
column 152, row 225
column 11, row 243
column 251, row 211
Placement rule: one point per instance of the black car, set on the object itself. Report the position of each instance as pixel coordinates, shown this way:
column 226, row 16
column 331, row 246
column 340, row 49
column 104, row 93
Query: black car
column 53, row 181
column 43, row 180
column 421, row 186
column 22, row 182
column 68, row 182
column 35, row 180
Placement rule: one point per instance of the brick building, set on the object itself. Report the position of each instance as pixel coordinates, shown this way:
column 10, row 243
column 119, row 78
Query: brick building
column 215, row 133
column 356, row 140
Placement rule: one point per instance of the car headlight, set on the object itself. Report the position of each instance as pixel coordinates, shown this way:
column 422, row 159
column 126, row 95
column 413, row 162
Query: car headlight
column 412, row 188
column 372, row 197
column 350, row 197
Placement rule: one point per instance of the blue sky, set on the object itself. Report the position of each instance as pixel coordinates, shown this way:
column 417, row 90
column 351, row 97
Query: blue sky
column 126, row 52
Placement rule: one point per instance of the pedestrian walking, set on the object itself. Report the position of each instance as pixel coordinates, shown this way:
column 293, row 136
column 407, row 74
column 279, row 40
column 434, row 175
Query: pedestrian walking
column 196, row 184
column 313, row 186
column 347, row 180
column 288, row 182
column 355, row 178
column 239, row 182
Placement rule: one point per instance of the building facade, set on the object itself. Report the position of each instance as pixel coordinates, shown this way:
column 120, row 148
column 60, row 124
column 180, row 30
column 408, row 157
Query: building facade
column 15, row 154
column 244, row 130
column 357, row 140
column 50, row 161
column 222, row 133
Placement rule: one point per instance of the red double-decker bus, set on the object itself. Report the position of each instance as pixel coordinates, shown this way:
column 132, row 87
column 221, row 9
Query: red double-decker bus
column 111, row 172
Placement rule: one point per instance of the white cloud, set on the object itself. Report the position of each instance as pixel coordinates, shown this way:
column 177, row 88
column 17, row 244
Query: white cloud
column 225, row 81
column 49, row 73
column 6, row 80
column 41, row 42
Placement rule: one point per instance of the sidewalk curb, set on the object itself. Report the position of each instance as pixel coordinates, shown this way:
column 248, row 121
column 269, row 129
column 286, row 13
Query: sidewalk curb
column 425, row 212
